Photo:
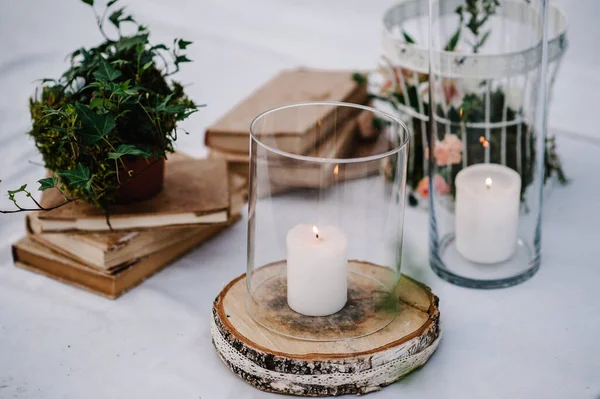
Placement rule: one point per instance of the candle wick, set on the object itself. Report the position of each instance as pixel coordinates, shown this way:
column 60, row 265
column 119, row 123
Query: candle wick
column 317, row 235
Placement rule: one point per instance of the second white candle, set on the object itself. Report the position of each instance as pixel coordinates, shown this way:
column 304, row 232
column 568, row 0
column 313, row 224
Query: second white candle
column 487, row 212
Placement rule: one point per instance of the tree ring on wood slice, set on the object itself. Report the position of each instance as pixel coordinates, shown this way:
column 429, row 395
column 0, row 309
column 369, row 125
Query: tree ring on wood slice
column 372, row 304
column 277, row 363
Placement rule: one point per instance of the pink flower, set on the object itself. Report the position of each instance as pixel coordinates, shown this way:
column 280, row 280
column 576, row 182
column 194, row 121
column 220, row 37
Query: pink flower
column 423, row 187
column 441, row 154
column 439, row 184
column 453, row 142
column 448, row 151
column 451, row 91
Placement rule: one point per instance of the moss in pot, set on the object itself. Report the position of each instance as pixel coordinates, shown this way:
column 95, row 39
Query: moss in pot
column 106, row 126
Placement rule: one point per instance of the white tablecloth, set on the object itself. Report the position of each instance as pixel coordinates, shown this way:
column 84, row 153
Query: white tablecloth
column 540, row 339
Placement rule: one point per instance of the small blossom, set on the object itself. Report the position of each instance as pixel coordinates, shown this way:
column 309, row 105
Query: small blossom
column 441, row 154
column 448, row 151
column 454, row 148
column 423, row 187
column 439, row 184
column 453, row 142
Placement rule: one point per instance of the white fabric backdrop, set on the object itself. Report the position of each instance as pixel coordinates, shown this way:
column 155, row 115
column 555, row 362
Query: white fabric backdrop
column 539, row 339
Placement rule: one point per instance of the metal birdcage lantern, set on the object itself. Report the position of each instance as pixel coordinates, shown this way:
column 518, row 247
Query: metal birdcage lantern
column 489, row 94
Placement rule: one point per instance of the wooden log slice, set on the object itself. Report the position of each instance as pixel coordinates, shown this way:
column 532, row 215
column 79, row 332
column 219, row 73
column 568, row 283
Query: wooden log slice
column 277, row 363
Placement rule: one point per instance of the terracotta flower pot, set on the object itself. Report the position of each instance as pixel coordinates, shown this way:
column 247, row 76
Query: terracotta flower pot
column 141, row 179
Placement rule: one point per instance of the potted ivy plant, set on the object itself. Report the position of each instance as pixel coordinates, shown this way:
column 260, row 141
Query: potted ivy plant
column 106, row 126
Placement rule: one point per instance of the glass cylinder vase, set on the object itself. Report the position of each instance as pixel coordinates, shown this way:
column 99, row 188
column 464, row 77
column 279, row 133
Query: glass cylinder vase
column 325, row 220
column 485, row 149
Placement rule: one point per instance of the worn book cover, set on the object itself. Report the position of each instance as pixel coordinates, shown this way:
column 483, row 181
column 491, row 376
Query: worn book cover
column 195, row 191
column 35, row 257
column 111, row 250
column 304, row 175
column 294, row 134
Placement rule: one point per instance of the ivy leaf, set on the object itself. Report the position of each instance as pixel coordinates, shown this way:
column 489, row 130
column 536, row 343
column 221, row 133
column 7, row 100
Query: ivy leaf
column 186, row 114
column 49, row 182
column 128, row 18
column 89, row 2
column 147, row 65
column 106, row 71
column 120, row 62
column 110, row 3
column 359, row 78
column 11, row 193
column 183, row 44
column 88, row 185
column 128, row 149
column 102, row 104
column 96, row 126
column 77, row 177
column 159, row 47
column 182, row 58
column 165, row 101
column 97, row 102
column 481, row 42
column 408, row 38
column 122, row 89
column 46, row 80
column 172, row 108
column 451, row 46
column 128, row 42
column 115, row 17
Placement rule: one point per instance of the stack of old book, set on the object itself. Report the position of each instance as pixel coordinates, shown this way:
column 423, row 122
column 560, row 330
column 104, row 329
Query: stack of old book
column 228, row 138
column 75, row 244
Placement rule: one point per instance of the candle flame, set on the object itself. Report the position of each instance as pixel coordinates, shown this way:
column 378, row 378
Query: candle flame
column 336, row 169
column 316, row 231
column 483, row 141
column 319, row 123
column 460, row 112
column 488, row 182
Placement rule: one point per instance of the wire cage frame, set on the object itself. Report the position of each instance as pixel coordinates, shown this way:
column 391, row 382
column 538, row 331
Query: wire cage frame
column 405, row 69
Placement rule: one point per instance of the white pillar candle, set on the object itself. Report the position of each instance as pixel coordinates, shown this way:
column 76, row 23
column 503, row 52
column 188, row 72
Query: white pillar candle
column 317, row 270
column 487, row 212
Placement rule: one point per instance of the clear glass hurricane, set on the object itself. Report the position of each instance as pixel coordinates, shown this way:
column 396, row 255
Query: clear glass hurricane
column 325, row 220
column 485, row 151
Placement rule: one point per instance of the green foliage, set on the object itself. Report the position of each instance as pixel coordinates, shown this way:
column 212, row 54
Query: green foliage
column 478, row 13
column 115, row 101
column 47, row 183
column 408, row 38
column 359, row 78
column 455, row 38
column 94, row 126
column 128, row 149
column 79, row 177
